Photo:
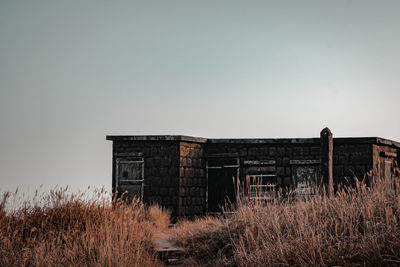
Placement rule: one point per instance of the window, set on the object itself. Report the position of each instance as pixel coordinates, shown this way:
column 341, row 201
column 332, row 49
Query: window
column 262, row 186
column 261, row 175
column 130, row 176
column 305, row 177
column 130, row 170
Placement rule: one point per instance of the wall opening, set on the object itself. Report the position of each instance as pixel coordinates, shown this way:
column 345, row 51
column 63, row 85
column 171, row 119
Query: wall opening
column 261, row 179
column 130, row 177
column 305, row 175
column 222, row 180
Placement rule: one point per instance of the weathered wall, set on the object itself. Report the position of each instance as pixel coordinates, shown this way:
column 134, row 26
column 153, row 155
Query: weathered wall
column 192, row 179
column 382, row 154
column 351, row 160
column 161, row 170
column 282, row 154
column 175, row 171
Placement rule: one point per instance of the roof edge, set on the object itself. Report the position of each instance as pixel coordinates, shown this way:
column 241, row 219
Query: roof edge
column 156, row 138
column 387, row 142
column 263, row 140
column 185, row 138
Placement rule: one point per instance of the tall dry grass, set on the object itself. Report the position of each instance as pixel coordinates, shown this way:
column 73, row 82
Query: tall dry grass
column 68, row 230
column 357, row 227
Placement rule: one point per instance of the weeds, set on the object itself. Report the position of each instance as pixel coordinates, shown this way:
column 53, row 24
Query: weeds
column 69, row 230
column 358, row 227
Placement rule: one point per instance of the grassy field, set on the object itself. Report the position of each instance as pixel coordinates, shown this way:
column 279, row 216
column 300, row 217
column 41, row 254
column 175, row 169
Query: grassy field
column 68, row 230
column 357, row 227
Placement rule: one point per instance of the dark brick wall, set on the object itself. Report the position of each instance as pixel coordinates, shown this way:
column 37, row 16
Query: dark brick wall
column 192, row 179
column 161, row 170
column 175, row 171
column 282, row 154
column 351, row 160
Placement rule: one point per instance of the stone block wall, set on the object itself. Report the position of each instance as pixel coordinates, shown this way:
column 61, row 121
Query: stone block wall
column 350, row 161
column 161, row 170
column 281, row 153
column 175, row 174
column 192, row 179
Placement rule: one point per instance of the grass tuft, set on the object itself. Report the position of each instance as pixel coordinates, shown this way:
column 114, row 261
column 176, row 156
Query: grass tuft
column 357, row 227
column 69, row 230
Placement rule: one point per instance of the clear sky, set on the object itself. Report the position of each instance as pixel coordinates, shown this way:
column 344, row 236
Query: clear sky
column 72, row 72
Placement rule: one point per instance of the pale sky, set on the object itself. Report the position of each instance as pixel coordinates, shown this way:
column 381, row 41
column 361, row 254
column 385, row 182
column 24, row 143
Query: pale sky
column 72, row 72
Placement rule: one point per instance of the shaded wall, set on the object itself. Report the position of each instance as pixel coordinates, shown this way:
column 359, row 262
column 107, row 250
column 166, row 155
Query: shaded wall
column 161, row 170
column 283, row 155
column 192, row 179
column 351, row 160
column 175, row 173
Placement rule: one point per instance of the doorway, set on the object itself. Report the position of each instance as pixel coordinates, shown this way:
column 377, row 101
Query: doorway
column 222, row 178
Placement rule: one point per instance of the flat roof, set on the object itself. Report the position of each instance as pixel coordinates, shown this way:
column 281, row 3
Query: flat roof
column 336, row 140
column 156, row 138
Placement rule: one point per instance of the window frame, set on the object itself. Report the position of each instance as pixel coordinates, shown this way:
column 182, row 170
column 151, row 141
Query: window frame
column 258, row 194
column 127, row 160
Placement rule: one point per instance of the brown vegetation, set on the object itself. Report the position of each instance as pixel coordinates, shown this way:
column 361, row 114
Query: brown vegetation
column 357, row 227
column 66, row 230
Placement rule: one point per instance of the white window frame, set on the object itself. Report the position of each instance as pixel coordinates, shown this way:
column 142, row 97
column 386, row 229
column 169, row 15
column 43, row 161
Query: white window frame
column 256, row 191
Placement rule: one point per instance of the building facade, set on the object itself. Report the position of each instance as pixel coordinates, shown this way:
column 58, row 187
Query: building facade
column 193, row 176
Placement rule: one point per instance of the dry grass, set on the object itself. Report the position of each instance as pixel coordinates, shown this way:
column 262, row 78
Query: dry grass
column 68, row 230
column 357, row 227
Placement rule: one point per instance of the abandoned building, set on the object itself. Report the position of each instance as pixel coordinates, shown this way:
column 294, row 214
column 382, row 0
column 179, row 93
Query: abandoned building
column 194, row 176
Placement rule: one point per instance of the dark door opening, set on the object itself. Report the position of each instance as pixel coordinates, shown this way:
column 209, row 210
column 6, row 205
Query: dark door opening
column 222, row 179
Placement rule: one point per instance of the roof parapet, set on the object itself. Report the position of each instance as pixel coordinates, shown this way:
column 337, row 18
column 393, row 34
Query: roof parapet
column 185, row 138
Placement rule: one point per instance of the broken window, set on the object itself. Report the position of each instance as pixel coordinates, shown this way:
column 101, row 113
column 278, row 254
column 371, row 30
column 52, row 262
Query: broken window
column 305, row 174
column 305, row 178
column 262, row 180
column 262, row 186
column 130, row 176
column 130, row 170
